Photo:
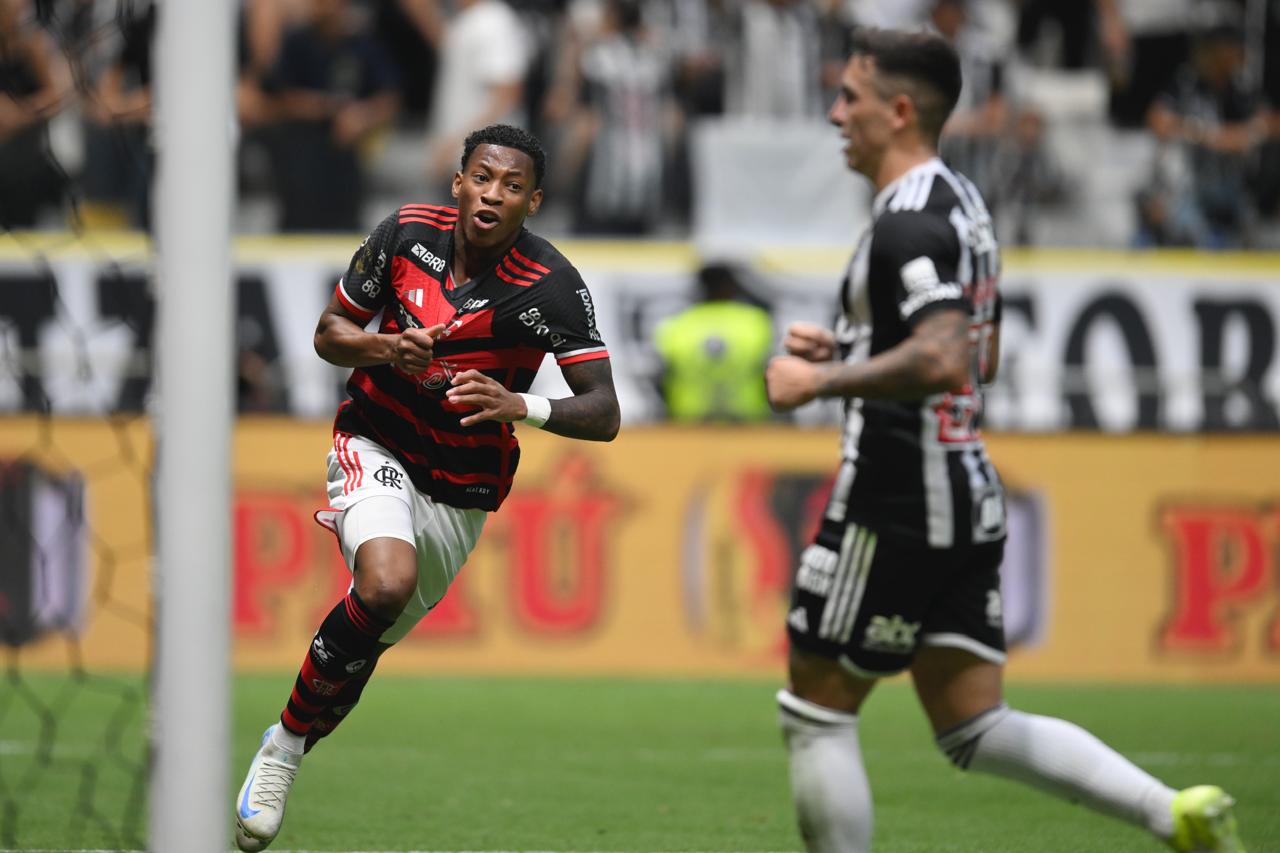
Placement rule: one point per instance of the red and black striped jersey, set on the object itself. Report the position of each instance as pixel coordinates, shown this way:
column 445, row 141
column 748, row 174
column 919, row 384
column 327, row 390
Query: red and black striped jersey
column 502, row 323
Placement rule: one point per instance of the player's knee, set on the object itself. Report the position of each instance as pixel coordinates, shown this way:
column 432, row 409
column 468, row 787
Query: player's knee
column 959, row 743
column 799, row 716
column 386, row 588
column 379, row 529
column 825, row 683
column 386, row 575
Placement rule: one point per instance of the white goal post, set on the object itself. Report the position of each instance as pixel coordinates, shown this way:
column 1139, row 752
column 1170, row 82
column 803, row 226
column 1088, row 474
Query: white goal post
column 191, row 697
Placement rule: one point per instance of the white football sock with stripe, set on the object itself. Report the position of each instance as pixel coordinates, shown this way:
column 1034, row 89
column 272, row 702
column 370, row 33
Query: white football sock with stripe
column 1062, row 759
column 828, row 782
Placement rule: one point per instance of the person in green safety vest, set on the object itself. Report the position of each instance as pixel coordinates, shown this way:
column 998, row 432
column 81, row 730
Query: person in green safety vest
column 713, row 353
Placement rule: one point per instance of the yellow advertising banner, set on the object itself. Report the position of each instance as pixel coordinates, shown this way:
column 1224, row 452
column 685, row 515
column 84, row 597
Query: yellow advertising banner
column 669, row 551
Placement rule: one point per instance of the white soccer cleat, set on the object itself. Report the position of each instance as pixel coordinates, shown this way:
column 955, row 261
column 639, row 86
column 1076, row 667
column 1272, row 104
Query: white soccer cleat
column 260, row 806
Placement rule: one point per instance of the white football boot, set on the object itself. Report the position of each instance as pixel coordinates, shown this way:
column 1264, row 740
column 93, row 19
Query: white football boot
column 260, row 806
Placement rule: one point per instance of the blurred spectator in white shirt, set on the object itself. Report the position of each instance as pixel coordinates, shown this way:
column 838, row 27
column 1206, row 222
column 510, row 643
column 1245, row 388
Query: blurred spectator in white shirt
column 484, row 53
column 773, row 68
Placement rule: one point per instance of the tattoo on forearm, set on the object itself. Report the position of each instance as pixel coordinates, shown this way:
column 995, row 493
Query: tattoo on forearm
column 926, row 363
column 592, row 412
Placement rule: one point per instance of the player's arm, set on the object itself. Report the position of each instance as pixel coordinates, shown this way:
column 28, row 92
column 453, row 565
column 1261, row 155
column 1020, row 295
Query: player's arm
column 933, row 359
column 590, row 414
column 915, row 256
column 340, row 336
column 342, row 340
column 810, row 342
column 558, row 316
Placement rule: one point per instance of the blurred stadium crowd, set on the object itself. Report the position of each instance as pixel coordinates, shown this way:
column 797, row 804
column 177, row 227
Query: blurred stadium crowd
column 1098, row 122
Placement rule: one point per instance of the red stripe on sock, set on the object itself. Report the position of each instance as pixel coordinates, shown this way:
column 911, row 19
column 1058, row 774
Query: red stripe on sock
column 304, row 705
column 318, row 682
column 293, row 724
column 358, row 619
column 366, row 621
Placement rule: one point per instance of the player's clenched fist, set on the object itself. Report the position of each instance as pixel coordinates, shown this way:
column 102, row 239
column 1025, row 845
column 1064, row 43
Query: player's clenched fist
column 810, row 342
column 473, row 390
column 791, row 382
column 415, row 348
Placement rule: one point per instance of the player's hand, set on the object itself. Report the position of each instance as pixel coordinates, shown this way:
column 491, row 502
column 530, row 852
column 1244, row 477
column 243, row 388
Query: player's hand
column 473, row 390
column 810, row 342
column 791, row 382
column 415, row 348
column 349, row 124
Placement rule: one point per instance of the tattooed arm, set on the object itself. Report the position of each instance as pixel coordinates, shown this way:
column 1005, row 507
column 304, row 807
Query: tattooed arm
column 592, row 412
column 933, row 359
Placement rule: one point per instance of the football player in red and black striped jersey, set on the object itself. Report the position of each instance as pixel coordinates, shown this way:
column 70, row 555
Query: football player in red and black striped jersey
column 445, row 314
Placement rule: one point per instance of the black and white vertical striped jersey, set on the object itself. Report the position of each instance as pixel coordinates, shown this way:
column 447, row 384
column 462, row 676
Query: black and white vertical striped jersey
column 918, row 469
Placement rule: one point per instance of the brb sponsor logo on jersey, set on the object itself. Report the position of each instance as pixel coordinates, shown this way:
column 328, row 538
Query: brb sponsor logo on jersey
column 423, row 254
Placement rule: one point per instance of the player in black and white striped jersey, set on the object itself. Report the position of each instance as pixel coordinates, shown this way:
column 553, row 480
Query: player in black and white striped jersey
column 904, row 571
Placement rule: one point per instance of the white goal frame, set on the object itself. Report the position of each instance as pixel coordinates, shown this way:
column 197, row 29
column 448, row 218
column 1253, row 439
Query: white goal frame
column 190, row 808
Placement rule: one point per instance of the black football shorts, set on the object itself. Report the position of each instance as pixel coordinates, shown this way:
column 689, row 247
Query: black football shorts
column 870, row 601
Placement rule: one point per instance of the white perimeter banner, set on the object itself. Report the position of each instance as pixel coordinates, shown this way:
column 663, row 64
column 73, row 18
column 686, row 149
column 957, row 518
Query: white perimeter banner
column 1107, row 341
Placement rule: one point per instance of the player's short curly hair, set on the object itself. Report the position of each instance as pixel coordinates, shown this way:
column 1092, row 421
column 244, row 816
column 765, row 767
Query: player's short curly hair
column 507, row 136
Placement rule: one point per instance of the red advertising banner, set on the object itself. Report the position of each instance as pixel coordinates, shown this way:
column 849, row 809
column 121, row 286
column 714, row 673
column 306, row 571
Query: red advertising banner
column 670, row 551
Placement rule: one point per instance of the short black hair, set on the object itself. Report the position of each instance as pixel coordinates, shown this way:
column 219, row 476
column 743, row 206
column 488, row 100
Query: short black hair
column 718, row 281
column 924, row 61
column 507, row 136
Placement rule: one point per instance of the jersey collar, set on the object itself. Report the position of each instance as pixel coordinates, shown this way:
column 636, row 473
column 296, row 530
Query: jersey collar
column 881, row 201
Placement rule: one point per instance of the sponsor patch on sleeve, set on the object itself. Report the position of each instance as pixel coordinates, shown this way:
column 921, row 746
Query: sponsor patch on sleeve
column 924, row 287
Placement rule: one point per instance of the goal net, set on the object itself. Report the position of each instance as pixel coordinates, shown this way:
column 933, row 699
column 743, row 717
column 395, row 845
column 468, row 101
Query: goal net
column 92, row 438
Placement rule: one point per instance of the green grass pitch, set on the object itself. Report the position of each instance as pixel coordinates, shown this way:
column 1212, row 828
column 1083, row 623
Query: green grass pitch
column 450, row 764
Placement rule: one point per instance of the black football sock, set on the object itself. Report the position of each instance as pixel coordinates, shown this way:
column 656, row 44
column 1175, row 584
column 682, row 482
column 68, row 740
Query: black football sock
column 342, row 704
column 346, row 644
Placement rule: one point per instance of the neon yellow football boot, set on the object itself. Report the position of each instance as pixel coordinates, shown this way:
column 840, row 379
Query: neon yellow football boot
column 1203, row 821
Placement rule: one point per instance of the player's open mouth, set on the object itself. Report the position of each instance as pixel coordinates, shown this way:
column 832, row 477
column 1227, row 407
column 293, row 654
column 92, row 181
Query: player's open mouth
column 486, row 219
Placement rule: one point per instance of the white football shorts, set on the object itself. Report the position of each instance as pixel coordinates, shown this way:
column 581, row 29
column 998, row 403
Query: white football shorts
column 370, row 496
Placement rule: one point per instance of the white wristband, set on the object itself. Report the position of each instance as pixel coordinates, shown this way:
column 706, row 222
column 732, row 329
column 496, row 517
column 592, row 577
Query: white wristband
column 539, row 410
